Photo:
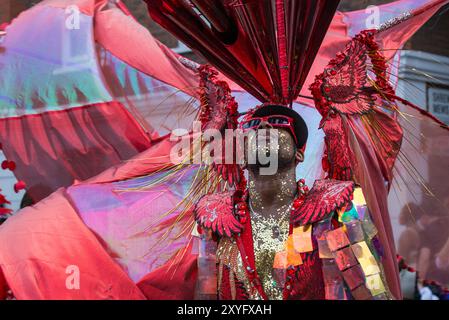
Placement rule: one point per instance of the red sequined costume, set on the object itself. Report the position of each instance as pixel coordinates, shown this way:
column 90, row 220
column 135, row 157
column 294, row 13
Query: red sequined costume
column 344, row 259
column 340, row 263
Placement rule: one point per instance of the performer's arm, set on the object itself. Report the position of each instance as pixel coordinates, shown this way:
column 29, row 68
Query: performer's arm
column 442, row 259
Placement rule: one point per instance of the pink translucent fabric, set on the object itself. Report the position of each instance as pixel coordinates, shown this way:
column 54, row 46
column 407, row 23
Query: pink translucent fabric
column 419, row 197
column 139, row 227
column 44, row 245
column 368, row 173
column 53, row 149
column 347, row 24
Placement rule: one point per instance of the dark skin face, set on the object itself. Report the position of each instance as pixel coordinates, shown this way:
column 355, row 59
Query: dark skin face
column 269, row 193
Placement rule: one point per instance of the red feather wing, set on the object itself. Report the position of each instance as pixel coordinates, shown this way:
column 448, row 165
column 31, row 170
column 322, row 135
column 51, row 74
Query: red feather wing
column 344, row 81
column 216, row 212
column 325, row 197
column 219, row 112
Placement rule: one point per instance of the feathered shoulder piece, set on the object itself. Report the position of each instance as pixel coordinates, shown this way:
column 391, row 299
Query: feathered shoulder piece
column 218, row 111
column 216, row 212
column 325, row 197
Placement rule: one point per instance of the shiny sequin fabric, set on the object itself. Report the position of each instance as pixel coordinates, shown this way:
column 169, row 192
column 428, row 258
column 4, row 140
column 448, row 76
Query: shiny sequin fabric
column 269, row 236
column 333, row 258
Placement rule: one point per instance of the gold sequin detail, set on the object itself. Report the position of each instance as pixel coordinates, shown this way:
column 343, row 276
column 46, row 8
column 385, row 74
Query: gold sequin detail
column 269, row 235
column 228, row 255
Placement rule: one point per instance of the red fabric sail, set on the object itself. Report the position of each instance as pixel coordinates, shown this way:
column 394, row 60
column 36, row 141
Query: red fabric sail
column 53, row 149
column 74, row 103
column 419, row 196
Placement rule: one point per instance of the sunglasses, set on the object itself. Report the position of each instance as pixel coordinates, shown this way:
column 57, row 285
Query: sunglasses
column 276, row 121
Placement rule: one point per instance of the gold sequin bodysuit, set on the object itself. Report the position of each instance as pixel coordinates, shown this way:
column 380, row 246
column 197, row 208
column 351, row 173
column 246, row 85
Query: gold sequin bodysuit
column 269, row 235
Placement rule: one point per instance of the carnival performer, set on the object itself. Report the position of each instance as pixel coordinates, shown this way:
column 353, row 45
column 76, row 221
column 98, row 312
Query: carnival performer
column 151, row 228
column 277, row 239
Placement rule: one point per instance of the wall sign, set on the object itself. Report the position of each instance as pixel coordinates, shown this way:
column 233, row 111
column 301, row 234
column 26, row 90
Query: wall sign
column 438, row 103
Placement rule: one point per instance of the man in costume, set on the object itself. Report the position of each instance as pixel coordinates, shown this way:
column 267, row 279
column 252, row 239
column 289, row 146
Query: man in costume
column 288, row 242
column 274, row 238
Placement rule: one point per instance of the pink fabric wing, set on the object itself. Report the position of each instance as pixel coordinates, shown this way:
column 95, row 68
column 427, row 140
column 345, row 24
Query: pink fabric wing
column 142, row 228
column 53, row 149
column 54, row 251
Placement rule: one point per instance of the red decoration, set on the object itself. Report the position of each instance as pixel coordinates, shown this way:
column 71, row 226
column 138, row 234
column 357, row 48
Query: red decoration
column 216, row 212
column 325, row 196
column 11, row 165
column 5, row 211
column 20, row 185
column 3, row 200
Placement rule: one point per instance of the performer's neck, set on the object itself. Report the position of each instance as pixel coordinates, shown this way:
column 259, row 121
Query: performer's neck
column 268, row 194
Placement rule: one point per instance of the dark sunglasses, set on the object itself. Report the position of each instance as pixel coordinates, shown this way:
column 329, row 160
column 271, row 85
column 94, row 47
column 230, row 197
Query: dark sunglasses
column 276, row 121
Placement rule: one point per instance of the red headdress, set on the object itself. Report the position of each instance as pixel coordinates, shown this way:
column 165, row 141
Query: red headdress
column 267, row 47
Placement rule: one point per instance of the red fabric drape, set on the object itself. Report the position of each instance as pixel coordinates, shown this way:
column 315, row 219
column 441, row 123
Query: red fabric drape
column 3, row 286
column 55, row 148
column 45, row 244
column 172, row 281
